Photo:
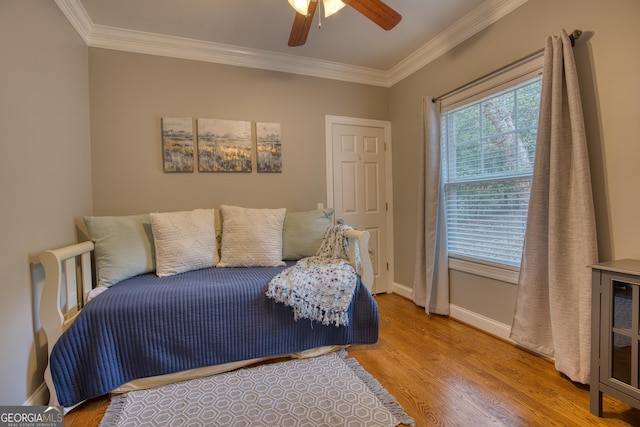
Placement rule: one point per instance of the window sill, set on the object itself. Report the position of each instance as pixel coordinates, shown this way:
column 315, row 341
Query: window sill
column 501, row 273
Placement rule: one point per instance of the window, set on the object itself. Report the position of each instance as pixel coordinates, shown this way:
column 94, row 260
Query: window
column 488, row 148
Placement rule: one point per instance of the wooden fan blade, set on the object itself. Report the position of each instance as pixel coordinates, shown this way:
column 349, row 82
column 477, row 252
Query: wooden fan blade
column 377, row 11
column 301, row 25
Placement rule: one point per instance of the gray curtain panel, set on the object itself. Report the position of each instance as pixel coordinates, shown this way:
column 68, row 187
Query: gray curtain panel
column 431, row 278
column 553, row 303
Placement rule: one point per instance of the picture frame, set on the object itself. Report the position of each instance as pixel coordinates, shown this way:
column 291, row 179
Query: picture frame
column 224, row 145
column 177, row 144
column 269, row 147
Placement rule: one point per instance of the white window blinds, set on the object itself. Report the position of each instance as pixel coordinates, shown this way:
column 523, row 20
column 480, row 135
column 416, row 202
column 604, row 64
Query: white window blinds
column 488, row 147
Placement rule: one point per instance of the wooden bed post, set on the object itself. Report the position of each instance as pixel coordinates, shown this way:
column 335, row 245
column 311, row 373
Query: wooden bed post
column 62, row 273
column 361, row 238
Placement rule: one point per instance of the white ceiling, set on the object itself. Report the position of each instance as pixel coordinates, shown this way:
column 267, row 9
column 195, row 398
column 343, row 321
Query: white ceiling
column 254, row 33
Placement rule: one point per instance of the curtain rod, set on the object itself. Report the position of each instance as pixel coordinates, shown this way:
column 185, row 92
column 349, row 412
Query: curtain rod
column 575, row 35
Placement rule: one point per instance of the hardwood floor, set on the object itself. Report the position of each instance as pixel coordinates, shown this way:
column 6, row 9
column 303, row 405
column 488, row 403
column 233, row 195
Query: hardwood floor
column 445, row 373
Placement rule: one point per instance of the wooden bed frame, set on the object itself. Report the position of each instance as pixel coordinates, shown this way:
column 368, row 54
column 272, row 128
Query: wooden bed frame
column 69, row 277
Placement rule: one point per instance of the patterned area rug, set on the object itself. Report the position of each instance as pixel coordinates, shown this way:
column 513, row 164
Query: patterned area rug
column 328, row 390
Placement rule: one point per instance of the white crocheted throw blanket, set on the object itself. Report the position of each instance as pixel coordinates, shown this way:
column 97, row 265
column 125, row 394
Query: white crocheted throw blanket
column 319, row 287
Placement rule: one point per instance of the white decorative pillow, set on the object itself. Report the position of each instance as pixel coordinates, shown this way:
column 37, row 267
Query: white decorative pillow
column 184, row 241
column 123, row 246
column 251, row 237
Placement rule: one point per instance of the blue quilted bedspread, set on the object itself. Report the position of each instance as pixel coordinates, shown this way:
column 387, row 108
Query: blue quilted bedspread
column 148, row 325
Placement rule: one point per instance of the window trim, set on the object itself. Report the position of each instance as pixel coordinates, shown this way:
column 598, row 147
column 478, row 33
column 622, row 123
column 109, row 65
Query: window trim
column 513, row 75
column 505, row 78
column 502, row 272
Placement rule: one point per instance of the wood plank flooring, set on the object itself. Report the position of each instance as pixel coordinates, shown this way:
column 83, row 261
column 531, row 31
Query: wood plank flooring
column 445, row 373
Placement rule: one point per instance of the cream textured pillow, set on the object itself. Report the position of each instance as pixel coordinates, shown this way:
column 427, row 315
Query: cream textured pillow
column 251, row 237
column 184, row 241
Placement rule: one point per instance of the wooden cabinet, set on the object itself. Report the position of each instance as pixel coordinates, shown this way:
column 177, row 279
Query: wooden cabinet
column 615, row 334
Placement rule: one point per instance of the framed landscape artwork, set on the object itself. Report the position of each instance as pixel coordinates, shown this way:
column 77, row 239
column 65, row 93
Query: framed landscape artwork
column 177, row 144
column 224, row 146
column 269, row 145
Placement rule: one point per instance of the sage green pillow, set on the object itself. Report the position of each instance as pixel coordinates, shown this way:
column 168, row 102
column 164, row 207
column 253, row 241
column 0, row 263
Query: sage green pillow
column 303, row 232
column 124, row 246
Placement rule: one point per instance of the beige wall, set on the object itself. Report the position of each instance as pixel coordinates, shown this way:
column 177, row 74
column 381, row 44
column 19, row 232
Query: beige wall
column 608, row 65
column 131, row 92
column 47, row 161
column 44, row 172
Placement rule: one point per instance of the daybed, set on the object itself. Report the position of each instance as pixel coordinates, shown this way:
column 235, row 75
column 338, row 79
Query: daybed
column 162, row 297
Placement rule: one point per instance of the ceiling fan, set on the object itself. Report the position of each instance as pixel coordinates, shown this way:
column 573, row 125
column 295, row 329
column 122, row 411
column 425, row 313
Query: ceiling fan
column 375, row 10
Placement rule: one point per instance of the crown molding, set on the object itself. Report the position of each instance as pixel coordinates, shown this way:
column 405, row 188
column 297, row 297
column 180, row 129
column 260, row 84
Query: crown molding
column 77, row 16
column 184, row 48
column 477, row 20
column 157, row 44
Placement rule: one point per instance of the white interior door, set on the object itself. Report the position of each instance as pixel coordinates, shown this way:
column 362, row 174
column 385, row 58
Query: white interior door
column 357, row 162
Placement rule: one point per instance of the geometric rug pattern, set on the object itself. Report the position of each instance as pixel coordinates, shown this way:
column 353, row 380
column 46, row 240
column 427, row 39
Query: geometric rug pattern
column 328, row 390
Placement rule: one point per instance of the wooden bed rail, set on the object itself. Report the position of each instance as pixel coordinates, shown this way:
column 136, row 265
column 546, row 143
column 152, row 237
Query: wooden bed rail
column 68, row 280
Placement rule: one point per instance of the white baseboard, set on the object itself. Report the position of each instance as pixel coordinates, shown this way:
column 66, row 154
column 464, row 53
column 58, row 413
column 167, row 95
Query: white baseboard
column 481, row 322
column 476, row 320
column 401, row 290
column 39, row 398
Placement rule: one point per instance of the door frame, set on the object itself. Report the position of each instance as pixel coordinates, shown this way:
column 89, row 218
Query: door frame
column 330, row 121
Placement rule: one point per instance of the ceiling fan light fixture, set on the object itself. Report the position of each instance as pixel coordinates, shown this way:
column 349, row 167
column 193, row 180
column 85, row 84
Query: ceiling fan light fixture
column 301, row 6
column 332, row 6
column 375, row 10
